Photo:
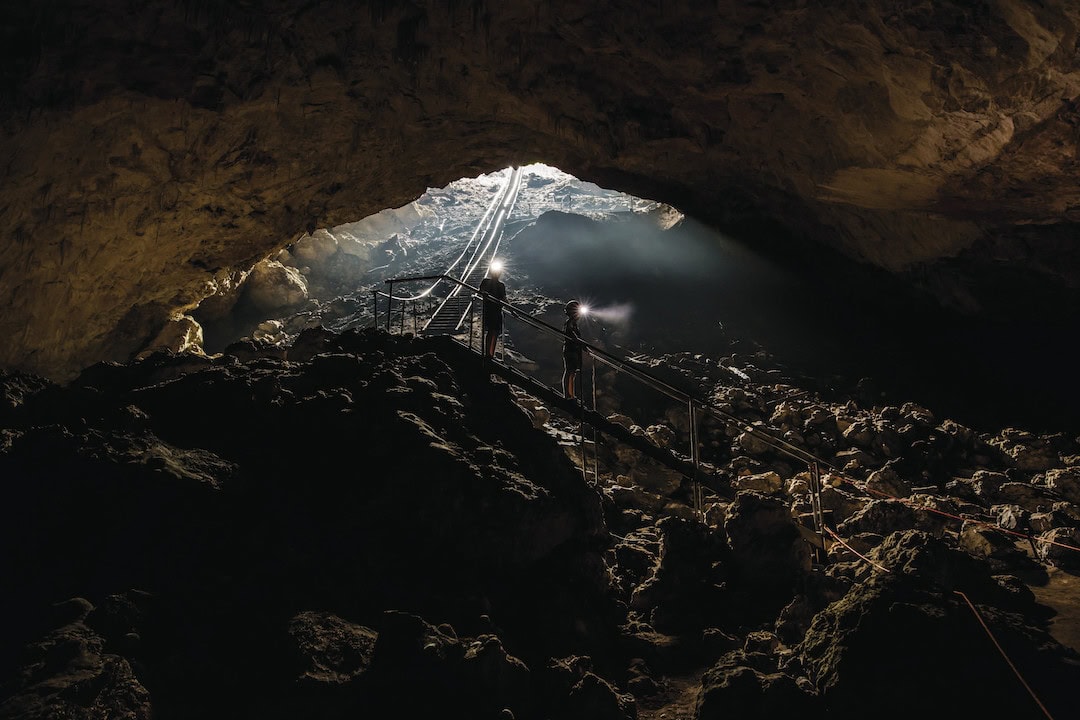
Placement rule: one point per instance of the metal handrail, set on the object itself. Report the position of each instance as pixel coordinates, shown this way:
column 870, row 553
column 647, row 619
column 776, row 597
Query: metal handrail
column 666, row 388
column 694, row 404
column 513, row 187
column 619, row 364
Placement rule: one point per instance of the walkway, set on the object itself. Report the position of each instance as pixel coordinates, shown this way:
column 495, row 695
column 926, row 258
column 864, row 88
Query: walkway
column 474, row 261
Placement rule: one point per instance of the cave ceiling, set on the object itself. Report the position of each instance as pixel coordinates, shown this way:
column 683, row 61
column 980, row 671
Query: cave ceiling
column 150, row 148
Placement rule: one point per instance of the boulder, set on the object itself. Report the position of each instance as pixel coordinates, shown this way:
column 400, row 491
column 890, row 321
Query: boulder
column 734, row 688
column 70, row 672
column 769, row 556
column 271, row 286
column 935, row 640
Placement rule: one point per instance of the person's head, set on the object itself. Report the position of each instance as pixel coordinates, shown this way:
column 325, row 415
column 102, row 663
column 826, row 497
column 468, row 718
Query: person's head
column 573, row 309
column 495, row 269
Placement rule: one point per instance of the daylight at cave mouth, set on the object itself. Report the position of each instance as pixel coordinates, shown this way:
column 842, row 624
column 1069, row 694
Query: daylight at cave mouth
column 822, row 459
column 673, row 285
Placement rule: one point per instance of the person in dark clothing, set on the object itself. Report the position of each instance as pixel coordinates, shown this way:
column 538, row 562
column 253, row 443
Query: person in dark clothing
column 494, row 289
column 572, row 349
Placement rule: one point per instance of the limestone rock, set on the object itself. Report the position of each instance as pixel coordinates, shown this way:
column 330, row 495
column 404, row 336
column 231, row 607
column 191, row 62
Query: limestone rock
column 887, row 482
column 1058, row 546
column 144, row 175
column 767, row 482
column 180, row 335
column 272, row 286
column 329, row 649
column 73, row 675
column 1065, row 482
column 931, row 632
column 768, row 551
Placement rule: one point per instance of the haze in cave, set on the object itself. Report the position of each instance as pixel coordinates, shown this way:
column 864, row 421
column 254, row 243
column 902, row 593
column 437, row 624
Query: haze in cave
column 825, row 462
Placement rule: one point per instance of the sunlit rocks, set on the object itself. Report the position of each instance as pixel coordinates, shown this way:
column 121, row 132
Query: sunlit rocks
column 1064, row 482
column 1058, row 546
column 180, row 335
column 272, row 286
column 373, row 523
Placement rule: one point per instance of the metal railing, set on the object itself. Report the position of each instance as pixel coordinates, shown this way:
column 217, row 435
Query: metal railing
column 479, row 246
column 696, row 408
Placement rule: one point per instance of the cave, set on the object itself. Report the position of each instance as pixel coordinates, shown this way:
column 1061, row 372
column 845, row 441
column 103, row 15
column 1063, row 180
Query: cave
column 152, row 150
column 910, row 167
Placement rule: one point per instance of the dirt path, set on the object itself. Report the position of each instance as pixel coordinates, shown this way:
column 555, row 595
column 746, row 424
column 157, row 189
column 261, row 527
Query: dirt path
column 1062, row 593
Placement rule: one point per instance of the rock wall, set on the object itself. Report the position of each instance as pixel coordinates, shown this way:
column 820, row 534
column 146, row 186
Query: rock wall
column 152, row 149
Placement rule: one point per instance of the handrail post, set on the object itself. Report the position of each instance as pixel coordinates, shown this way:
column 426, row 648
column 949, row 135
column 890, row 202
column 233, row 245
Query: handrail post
column 375, row 308
column 581, row 433
column 596, row 443
column 472, row 328
column 698, row 504
column 620, row 365
column 389, row 304
column 815, row 509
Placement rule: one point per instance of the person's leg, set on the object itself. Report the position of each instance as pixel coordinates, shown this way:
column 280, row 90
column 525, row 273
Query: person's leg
column 567, row 381
column 491, row 337
column 572, row 373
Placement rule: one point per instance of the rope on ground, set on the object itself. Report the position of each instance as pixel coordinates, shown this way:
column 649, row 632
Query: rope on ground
column 840, row 540
column 793, row 451
column 1001, row 650
column 985, row 523
column 798, row 453
column 802, row 455
column 978, row 616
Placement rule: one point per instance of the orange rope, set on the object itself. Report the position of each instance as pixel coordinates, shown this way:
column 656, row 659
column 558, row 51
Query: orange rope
column 1002, row 651
column 977, row 616
column 984, row 523
column 841, row 541
column 798, row 453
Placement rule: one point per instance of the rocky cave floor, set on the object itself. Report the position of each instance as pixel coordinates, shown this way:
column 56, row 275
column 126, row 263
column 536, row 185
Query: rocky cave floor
column 371, row 524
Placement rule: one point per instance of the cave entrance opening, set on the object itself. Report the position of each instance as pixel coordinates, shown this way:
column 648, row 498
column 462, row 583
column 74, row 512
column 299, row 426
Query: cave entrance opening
column 557, row 228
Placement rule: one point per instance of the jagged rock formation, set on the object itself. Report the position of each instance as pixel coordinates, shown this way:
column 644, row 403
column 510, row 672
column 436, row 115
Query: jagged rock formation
column 150, row 151
column 370, row 523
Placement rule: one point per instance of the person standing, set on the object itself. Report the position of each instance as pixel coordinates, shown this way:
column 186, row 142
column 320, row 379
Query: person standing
column 494, row 291
column 572, row 349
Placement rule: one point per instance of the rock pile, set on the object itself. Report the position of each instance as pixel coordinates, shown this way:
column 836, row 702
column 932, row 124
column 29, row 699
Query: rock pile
column 370, row 524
